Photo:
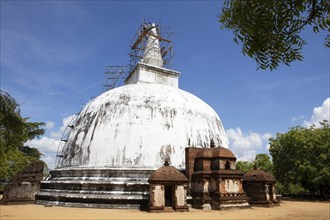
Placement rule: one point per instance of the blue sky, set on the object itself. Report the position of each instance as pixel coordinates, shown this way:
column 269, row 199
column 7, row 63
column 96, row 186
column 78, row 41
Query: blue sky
column 54, row 53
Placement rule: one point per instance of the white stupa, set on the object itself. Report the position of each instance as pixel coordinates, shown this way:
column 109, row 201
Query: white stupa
column 126, row 133
column 144, row 121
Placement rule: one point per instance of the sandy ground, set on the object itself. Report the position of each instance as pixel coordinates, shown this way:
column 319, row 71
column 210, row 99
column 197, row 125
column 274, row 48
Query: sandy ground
column 287, row 210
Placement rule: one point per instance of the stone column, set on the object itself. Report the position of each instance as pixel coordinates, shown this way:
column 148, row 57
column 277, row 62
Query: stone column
column 206, row 198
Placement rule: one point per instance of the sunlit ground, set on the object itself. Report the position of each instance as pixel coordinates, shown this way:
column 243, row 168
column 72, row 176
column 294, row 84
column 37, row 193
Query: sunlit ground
column 287, row 210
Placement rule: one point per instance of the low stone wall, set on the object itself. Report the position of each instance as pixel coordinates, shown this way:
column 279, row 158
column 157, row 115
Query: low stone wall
column 23, row 187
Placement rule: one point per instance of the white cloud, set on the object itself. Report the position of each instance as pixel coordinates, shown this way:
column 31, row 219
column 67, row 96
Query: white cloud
column 45, row 145
column 65, row 122
column 297, row 119
column 246, row 146
column 48, row 146
column 49, row 125
column 49, row 160
column 319, row 114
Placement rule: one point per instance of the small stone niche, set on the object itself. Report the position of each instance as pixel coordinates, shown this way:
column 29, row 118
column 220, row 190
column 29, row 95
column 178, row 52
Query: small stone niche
column 260, row 188
column 168, row 190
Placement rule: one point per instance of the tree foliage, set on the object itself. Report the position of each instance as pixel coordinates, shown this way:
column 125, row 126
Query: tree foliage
column 14, row 132
column 290, row 189
column 244, row 166
column 270, row 31
column 263, row 162
column 302, row 156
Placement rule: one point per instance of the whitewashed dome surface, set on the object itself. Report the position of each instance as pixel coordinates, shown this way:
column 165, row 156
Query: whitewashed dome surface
column 141, row 124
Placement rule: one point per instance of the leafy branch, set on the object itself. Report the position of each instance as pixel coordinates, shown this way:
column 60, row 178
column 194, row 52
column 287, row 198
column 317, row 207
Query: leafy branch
column 269, row 31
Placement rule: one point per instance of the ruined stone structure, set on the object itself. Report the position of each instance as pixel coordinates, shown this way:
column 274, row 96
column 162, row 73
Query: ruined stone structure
column 260, row 187
column 214, row 181
column 168, row 190
column 23, row 187
column 125, row 134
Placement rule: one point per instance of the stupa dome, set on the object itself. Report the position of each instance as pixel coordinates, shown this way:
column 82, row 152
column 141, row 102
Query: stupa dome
column 139, row 125
column 143, row 122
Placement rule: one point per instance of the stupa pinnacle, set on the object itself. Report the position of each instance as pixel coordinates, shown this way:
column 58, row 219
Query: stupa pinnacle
column 152, row 53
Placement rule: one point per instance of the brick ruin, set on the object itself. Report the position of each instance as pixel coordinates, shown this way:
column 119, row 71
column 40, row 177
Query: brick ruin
column 214, row 182
column 260, row 188
column 168, row 190
column 23, row 187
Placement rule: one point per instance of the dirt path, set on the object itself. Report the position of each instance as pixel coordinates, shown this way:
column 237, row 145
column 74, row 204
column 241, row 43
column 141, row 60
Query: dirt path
column 287, row 210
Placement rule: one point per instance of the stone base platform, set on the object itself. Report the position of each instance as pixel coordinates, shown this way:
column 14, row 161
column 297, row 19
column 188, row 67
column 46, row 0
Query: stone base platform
column 221, row 203
column 96, row 188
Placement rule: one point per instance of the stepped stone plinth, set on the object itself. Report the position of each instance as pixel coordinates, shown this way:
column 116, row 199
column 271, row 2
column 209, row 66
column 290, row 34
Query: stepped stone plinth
column 97, row 188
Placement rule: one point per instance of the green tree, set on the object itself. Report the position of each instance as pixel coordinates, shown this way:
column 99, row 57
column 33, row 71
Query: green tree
column 244, row 166
column 14, row 132
column 270, row 31
column 289, row 189
column 263, row 162
column 302, row 157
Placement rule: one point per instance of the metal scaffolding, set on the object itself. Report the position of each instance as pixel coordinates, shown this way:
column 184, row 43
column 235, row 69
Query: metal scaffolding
column 63, row 142
column 139, row 41
column 116, row 75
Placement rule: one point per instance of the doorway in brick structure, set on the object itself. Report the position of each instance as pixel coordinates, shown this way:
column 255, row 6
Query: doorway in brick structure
column 168, row 196
column 227, row 166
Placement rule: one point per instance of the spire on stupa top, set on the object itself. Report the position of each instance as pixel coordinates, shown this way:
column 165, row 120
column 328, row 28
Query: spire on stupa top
column 152, row 54
column 150, row 66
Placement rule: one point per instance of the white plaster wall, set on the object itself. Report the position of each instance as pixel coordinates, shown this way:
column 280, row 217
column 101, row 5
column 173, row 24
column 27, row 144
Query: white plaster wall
column 232, row 165
column 145, row 73
column 231, row 186
column 140, row 125
column 133, row 78
column 180, row 194
column 159, row 196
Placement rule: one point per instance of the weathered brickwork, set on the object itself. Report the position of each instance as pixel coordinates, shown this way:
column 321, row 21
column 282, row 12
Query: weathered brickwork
column 167, row 190
column 23, row 187
column 260, row 188
column 214, row 181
